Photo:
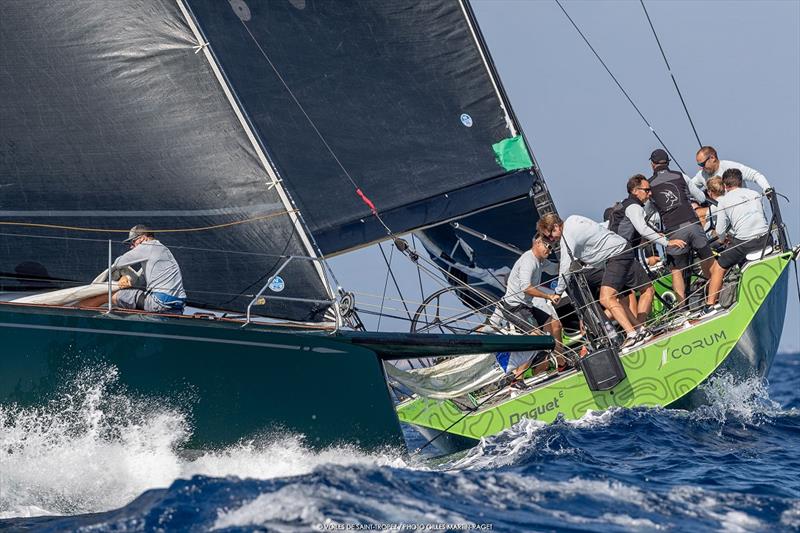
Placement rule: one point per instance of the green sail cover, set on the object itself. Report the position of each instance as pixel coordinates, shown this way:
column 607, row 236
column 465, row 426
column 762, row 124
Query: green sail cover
column 512, row 154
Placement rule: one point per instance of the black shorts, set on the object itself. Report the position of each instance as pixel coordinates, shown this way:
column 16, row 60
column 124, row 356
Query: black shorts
column 594, row 278
column 524, row 317
column 737, row 252
column 625, row 273
column 695, row 238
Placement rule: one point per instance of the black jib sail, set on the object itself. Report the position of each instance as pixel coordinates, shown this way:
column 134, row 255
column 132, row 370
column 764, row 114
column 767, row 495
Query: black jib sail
column 108, row 118
column 391, row 97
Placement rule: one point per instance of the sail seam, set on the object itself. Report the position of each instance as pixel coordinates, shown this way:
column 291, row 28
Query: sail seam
column 291, row 209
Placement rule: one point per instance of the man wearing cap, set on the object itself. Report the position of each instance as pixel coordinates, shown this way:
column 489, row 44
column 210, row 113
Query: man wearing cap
column 711, row 166
column 671, row 194
column 164, row 285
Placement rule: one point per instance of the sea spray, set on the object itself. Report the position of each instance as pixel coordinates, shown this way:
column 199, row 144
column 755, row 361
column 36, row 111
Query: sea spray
column 88, row 449
column 95, row 447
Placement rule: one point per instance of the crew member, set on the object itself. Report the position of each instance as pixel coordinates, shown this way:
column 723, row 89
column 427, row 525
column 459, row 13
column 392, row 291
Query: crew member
column 525, row 303
column 711, row 166
column 582, row 240
column 672, row 194
column 741, row 217
column 623, row 271
column 708, row 214
column 164, row 285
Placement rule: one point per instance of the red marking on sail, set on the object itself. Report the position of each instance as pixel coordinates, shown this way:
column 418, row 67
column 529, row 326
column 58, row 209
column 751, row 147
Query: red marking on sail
column 367, row 201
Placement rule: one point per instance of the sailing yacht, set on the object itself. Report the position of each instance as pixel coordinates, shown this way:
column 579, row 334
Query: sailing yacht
column 257, row 139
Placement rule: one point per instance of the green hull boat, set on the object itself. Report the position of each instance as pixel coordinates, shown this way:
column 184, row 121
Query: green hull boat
column 667, row 371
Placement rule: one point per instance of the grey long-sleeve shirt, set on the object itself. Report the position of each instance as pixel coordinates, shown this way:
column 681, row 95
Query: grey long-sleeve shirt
column 748, row 174
column 585, row 239
column 161, row 271
column 740, row 210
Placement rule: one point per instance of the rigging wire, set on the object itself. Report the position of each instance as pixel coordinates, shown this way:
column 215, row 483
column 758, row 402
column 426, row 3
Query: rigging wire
column 419, row 273
column 674, row 82
column 661, row 142
column 394, row 280
column 385, row 286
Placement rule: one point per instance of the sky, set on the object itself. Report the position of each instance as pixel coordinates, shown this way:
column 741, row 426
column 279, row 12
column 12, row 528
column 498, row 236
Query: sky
column 736, row 63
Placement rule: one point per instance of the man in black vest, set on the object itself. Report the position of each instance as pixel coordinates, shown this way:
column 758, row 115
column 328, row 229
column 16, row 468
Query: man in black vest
column 672, row 194
column 623, row 271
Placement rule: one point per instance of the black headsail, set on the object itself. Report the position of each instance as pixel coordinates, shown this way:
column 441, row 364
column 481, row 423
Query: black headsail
column 108, row 118
column 392, row 97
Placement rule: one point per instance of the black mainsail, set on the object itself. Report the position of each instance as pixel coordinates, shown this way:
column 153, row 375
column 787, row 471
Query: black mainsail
column 108, row 118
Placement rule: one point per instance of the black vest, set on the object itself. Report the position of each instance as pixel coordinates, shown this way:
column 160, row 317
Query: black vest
column 622, row 225
column 671, row 198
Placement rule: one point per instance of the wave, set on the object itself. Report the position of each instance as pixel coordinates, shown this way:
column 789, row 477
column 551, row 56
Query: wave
column 95, row 448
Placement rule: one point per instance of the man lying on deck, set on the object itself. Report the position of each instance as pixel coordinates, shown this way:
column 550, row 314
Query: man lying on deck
column 164, row 284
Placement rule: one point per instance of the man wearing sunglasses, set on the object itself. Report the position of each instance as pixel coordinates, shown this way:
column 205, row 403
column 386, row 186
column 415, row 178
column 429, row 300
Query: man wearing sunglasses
column 524, row 303
column 628, row 219
column 672, row 194
column 711, row 166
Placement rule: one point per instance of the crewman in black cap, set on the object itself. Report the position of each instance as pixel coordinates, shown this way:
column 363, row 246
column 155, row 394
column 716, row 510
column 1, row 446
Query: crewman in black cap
column 672, row 194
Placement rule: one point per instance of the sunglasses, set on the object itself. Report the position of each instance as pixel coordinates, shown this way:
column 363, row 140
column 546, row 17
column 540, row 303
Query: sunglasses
column 703, row 164
column 645, row 189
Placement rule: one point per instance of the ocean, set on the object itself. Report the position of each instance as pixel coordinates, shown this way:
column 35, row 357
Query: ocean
column 99, row 461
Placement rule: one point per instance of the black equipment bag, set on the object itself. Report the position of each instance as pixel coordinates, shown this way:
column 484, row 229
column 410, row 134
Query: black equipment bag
column 603, row 369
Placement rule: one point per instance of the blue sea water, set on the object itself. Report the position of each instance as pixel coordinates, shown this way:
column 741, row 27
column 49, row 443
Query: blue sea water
column 733, row 465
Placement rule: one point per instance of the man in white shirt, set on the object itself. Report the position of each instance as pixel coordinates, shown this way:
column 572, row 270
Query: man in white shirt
column 741, row 216
column 711, row 166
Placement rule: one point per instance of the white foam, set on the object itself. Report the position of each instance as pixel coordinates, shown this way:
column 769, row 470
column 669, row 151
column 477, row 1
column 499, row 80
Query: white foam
column 512, row 444
column 745, row 400
column 92, row 450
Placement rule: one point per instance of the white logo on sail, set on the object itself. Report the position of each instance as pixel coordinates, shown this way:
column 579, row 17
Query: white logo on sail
column 277, row 284
column 466, row 120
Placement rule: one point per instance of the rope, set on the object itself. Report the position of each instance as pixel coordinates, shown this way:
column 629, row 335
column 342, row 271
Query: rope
column 674, row 82
column 618, row 84
column 174, row 230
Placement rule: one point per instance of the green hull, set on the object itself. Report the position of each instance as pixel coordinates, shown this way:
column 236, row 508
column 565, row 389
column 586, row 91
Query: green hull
column 664, row 372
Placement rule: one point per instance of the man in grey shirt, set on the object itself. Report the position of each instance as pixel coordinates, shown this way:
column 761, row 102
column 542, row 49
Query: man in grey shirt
column 741, row 216
column 711, row 166
column 164, row 285
column 525, row 304
column 581, row 239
